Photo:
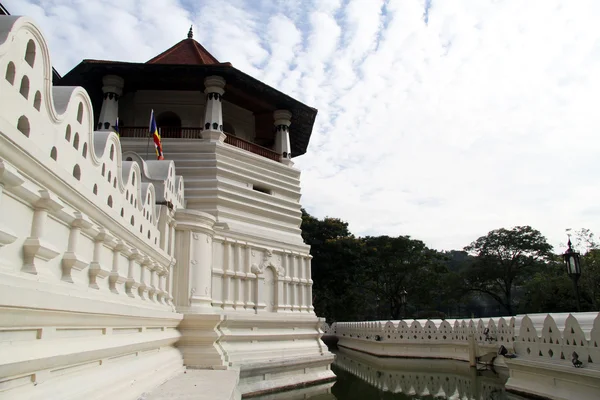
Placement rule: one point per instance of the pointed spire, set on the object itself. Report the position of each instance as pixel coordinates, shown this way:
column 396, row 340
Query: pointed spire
column 190, row 33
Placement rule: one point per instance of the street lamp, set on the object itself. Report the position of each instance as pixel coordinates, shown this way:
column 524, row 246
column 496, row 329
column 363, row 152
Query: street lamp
column 573, row 269
column 403, row 302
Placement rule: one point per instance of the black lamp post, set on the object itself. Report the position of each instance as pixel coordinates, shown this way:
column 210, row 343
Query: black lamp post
column 403, row 302
column 573, row 269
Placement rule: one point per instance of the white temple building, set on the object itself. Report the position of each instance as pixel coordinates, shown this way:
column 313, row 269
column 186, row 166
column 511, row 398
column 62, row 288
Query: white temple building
column 118, row 271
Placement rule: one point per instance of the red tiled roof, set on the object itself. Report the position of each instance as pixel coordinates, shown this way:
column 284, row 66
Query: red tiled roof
column 188, row 51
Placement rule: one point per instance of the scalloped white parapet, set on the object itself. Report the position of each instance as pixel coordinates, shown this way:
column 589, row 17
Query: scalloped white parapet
column 54, row 125
column 550, row 336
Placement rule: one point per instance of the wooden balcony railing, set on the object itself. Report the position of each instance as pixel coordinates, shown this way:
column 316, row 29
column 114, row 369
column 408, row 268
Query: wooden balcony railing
column 251, row 147
column 196, row 133
column 165, row 132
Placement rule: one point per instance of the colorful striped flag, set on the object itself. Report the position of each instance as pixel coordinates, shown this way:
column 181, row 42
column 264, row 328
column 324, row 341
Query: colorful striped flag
column 156, row 137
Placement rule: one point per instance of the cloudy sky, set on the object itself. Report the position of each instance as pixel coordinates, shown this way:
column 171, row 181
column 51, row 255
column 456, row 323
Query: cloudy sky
column 438, row 119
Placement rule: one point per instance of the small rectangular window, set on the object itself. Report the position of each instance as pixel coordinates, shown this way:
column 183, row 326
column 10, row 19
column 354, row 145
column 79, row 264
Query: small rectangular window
column 261, row 189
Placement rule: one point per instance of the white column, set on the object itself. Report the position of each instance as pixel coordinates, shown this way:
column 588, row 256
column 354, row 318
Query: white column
column 227, row 274
column 97, row 266
column 143, row 288
column 213, row 112
column 131, row 285
column 195, row 255
column 239, row 274
column 152, row 289
column 305, row 282
column 292, row 289
column 112, row 90
column 71, row 260
column 35, row 246
column 311, row 308
column 170, row 273
column 250, row 277
column 115, row 278
column 285, row 263
column 283, row 120
column 302, row 281
column 9, row 177
column 164, row 228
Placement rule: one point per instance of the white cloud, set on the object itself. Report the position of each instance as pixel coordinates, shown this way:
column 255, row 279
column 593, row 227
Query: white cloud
column 485, row 117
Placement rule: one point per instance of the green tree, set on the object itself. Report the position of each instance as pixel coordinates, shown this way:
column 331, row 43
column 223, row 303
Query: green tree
column 549, row 290
column 393, row 264
column 454, row 297
column 335, row 267
column 587, row 243
column 505, row 259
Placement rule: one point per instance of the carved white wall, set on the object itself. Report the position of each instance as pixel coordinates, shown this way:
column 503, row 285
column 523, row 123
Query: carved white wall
column 85, row 263
column 105, row 266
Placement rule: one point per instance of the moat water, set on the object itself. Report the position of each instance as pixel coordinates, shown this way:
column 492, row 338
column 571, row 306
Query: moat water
column 364, row 377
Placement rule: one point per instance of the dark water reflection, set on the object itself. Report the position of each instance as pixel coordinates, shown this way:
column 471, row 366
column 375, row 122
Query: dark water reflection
column 364, row 377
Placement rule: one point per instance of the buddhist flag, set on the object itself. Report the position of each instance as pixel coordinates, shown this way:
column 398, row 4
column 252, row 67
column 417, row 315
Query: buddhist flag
column 156, row 137
column 117, row 127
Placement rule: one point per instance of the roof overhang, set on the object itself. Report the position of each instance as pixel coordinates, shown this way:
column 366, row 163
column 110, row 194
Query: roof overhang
column 241, row 89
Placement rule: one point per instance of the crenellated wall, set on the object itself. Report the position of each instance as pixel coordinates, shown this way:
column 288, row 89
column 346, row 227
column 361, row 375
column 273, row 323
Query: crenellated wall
column 544, row 346
column 85, row 257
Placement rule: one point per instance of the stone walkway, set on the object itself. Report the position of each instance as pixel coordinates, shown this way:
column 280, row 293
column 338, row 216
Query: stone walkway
column 198, row 385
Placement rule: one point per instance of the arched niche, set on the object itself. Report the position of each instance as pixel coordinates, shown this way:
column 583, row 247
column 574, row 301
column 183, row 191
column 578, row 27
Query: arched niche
column 269, row 289
column 169, row 124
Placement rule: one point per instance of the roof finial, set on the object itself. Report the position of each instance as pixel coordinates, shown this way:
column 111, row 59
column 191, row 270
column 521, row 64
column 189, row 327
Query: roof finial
column 190, row 33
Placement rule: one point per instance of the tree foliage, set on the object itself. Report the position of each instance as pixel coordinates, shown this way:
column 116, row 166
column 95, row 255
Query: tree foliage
column 506, row 259
column 506, row 271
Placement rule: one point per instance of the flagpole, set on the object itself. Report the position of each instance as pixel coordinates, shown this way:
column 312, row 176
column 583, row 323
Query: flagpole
column 149, row 134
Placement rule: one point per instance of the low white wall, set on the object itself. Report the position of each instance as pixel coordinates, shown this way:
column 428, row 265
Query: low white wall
column 544, row 345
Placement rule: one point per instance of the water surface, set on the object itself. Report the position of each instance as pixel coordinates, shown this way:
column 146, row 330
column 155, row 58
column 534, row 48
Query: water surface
column 364, row 377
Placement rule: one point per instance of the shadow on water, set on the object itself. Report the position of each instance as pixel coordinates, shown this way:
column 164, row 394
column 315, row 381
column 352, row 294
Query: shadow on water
column 364, row 377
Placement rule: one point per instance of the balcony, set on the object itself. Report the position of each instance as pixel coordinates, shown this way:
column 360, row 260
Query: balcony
column 142, row 132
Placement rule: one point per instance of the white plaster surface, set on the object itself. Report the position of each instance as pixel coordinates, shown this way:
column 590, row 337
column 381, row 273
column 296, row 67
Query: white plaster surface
column 198, row 385
column 112, row 271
